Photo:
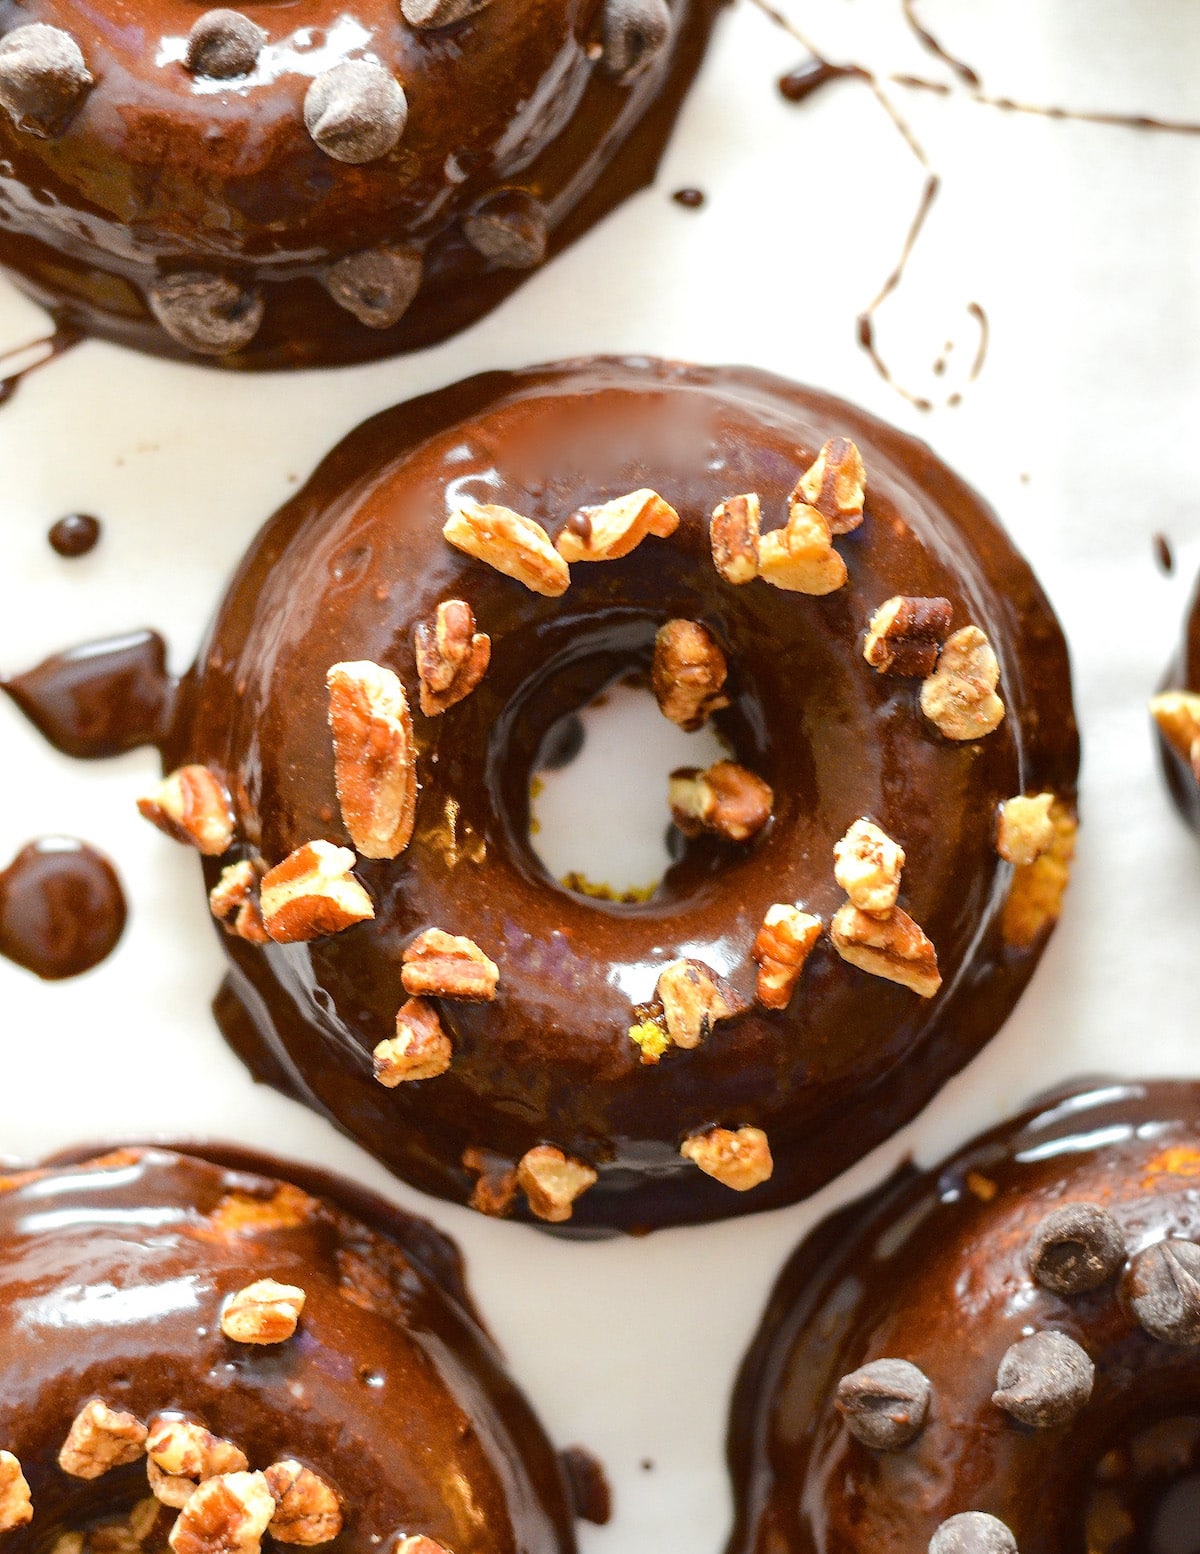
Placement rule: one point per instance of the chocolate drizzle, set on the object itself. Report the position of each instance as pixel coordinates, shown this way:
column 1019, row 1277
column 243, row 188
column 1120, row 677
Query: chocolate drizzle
column 39, row 353
column 62, row 909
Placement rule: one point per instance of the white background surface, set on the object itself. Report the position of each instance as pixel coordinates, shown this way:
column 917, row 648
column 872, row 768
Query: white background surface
column 1081, row 243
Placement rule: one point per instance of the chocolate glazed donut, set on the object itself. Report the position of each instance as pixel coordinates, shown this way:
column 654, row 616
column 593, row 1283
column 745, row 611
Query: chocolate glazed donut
column 558, row 1036
column 202, row 1353
column 998, row 1354
column 306, row 184
column 1176, row 710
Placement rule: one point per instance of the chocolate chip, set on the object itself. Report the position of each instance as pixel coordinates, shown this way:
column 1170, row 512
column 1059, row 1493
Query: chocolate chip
column 510, row 229
column 1076, row 1248
column 223, row 44
column 439, row 13
column 356, row 112
column 1164, row 1291
column 972, row 1532
column 43, row 78
column 635, row 34
column 376, row 285
column 884, row 1403
column 1044, row 1380
column 206, row 313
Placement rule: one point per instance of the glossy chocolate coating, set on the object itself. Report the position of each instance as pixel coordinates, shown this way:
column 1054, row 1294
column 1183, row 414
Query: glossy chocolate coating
column 161, row 171
column 1184, row 675
column 112, row 1279
column 356, row 559
column 934, row 1268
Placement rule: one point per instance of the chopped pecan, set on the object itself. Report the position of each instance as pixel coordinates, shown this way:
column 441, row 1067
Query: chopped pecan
column 835, row 484
column 496, row 1186
column 452, row 656
column 612, row 530
column 960, row 695
column 420, row 1049
column 649, row 1035
column 1035, row 895
column 867, row 864
column 552, row 1181
column 16, row 1504
column 265, row 1312
column 1025, row 827
column 733, row 534
column 65, row 1543
column 694, row 998
column 192, row 806
column 688, row 672
column 725, row 799
column 375, row 763
column 447, row 965
column 101, row 1438
column 226, row 1515
column 181, row 1454
column 311, row 893
column 800, row 557
column 905, row 635
column 516, row 546
column 738, row 1158
column 887, row 945
column 1177, row 714
column 781, row 947
column 307, row 1509
column 418, row 1543
column 233, row 901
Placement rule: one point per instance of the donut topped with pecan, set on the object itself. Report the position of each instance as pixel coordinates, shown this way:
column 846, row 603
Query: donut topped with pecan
column 862, row 884
column 1176, row 710
column 290, row 185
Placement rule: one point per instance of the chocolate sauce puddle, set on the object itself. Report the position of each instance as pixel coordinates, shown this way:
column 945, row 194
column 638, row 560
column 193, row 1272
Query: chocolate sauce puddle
column 62, row 909
column 64, row 338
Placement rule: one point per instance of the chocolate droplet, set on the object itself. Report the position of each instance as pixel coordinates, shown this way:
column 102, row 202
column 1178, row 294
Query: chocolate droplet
column 43, row 78
column 635, row 34
column 376, row 285
column 206, row 313
column 1164, row 1290
column 1044, row 1380
column 61, row 908
column 439, row 13
column 972, row 1532
column 1076, row 1248
column 510, row 229
column 74, row 535
column 356, row 112
column 223, row 44
column 884, row 1404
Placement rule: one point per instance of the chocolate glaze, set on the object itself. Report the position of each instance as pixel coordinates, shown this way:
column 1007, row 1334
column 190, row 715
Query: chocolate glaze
column 551, row 1060
column 111, row 1284
column 101, row 698
column 933, row 1269
column 62, row 909
column 74, row 535
column 1184, row 675
column 513, row 97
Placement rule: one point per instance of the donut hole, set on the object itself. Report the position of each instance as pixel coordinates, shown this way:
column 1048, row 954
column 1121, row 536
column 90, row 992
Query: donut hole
column 1145, row 1494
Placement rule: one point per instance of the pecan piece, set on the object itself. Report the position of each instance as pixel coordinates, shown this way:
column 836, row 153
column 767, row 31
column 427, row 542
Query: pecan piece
column 516, row 546
column 800, row 557
column 733, row 535
column 375, row 765
column 1035, row 896
column 726, row 799
column 16, row 1504
column 694, row 998
column 738, row 1158
column 959, row 697
column 835, row 484
column 311, row 893
column 307, row 1509
column 420, row 1049
column 649, row 1035
column 265, row 1312
column 192, row 806
column 867, row 865
column 452, row 657
column 101, row 1438
column 226, row 1515
column 447, row 965
column 1025, row 828
column 551, row 1181
column 781, row 947
column 418, row 1543
column 182, row 1453
column 496, row 1186
column 688, row 672
column 233, row 901
column 1177, row 714
column 905, row 635
column 612, row 530
column 887, row 945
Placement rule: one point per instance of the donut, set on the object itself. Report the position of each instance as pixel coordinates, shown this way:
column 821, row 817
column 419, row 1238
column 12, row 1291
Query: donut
column 1176, row 710
column 199, row 1356
column 306, row 184
column 996, row 1355
column 861, row 891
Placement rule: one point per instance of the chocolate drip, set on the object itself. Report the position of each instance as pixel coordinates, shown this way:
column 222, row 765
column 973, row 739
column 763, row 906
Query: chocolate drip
column 40, row 354
column 75, row 535
column 799, row 84
column 99, row 699
column 62, row 909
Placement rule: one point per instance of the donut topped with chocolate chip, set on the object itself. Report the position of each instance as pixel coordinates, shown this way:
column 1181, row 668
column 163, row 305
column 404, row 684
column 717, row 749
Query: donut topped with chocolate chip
column 863, row 881
column 303, row 184
column 998, row 1355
